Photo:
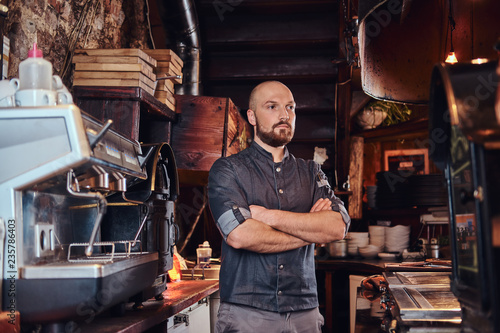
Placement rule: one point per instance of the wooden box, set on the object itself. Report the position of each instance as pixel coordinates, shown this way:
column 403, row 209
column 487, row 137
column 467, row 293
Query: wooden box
column 207, row 128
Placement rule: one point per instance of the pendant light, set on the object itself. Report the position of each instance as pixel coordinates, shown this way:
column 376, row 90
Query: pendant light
column 452, row 58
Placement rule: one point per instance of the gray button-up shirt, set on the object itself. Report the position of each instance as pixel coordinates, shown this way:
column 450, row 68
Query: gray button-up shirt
column 279, row 282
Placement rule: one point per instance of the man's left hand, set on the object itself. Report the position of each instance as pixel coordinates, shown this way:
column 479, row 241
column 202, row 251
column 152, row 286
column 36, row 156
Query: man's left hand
column 321, row 204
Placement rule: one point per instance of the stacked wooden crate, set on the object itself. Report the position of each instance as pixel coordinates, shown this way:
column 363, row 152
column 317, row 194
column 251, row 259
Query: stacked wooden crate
column 115, row 68
column 168, row 73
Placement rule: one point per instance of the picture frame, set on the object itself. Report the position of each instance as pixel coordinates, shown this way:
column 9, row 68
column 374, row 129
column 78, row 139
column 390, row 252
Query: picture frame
column 407, row 161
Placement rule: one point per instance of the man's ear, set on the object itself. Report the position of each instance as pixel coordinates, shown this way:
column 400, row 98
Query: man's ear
column 251, row 117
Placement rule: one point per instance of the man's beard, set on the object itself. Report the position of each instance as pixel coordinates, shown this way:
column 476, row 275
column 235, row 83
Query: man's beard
column 273, row 139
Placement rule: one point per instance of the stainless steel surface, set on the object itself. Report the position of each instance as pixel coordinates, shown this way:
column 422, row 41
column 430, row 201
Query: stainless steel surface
column 101, row 208
column 423, row 296
column 87, row 267
column 417, row 278
column 426, row 303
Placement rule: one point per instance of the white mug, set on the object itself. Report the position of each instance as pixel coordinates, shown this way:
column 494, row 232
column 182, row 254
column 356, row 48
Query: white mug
column 7, row 91
column 8, row 101
column 57, row 82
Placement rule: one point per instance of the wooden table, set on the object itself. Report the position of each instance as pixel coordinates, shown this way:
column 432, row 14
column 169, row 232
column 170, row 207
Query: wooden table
column 178, row 296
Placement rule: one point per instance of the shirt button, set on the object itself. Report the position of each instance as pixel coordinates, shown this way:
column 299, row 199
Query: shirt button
column 281, row 191
column 279, row 293
column 278, row 169
column 280, row 266
column 235, row 207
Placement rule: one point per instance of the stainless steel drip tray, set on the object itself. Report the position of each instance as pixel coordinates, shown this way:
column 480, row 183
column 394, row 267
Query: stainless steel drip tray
column 426, row 303
column 61, row 291
column 97, row 266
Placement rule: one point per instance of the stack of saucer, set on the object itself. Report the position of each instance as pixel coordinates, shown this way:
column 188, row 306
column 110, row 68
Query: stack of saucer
column 397, row 238
column 377, row 235
column 355, row 241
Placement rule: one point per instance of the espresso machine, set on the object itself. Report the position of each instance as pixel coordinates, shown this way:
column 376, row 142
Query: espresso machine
column 464, row 134
column 63, row 260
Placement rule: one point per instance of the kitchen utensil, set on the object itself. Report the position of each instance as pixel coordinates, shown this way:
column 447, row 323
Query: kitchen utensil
column 338, row 249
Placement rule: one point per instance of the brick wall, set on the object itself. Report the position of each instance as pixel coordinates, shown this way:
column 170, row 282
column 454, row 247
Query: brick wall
column 59, row 26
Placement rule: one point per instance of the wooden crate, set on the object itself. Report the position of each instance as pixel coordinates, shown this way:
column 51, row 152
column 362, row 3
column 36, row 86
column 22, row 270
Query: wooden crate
column 207, row 128
column 114, row 68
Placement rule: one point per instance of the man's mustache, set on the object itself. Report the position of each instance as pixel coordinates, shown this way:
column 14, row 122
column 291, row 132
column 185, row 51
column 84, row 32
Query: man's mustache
column 282, row 123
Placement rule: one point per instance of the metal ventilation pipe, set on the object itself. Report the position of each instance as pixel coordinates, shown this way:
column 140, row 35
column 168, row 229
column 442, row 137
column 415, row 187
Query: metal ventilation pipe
column 181, row 24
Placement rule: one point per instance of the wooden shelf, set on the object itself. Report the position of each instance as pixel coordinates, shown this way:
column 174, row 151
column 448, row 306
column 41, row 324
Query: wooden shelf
column 152, row 105
column 408, row 130
column 342, row 193
column 136, row 114
column 398, row 211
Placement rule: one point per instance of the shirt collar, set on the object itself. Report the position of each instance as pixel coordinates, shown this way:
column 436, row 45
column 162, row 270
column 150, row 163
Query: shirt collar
column 259, row 151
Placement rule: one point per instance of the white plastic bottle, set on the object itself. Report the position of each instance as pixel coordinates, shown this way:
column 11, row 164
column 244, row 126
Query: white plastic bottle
column 203, row 255
column 35, row 72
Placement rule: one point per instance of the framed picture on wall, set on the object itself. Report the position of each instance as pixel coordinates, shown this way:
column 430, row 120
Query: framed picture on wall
column 408, row 161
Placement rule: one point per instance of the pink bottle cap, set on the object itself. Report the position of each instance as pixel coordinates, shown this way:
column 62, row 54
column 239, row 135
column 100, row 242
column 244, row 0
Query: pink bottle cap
column 35, row 52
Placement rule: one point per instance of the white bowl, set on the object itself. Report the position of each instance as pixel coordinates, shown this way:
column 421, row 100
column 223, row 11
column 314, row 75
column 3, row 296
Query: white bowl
column 369, row 251
column 357, row 235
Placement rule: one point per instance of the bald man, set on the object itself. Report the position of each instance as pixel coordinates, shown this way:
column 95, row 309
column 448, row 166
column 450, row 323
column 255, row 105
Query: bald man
column 271, row 208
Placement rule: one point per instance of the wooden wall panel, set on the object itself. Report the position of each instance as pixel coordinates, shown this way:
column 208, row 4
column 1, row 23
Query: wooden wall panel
column 318, row 68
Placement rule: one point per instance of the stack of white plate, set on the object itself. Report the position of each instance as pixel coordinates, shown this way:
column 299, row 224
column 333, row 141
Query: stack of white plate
column 377, row 235
column 397, row 238
column 370, row 195
column 355, row 241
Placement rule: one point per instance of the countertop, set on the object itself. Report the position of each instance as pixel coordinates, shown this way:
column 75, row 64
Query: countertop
column 178, row 296
column 358, row 265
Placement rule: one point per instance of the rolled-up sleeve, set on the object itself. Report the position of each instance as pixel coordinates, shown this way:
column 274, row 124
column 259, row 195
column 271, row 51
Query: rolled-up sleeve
column 324, row 190
column 226, row 198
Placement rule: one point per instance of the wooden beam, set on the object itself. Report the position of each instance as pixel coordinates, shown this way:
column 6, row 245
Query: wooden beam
column 262, row 68
column 356, row 177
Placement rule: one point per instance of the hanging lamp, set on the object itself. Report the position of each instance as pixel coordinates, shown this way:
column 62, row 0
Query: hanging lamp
column 452, row 58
